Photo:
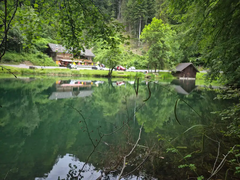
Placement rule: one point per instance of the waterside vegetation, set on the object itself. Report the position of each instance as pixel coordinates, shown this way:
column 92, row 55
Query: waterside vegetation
column 90, row 73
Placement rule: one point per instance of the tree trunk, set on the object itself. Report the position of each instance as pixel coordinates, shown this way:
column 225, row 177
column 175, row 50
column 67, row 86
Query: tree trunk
column 139, row 30
column 130, row 28
column 110, row 82
column 110, row 72
column 119, row 9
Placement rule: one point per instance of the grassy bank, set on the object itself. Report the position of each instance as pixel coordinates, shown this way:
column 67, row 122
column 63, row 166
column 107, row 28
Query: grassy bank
column 61, row 74
column 68, row 73
column 38, row 58
column 88, row 73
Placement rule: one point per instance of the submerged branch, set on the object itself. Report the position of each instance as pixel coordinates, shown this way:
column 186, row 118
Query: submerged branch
column 84, row 121
column 136, row 89
column 219, row 167
column 149, row 93
column 175, row 111
column 221, row 163
column 125, row 157
column 141, row 162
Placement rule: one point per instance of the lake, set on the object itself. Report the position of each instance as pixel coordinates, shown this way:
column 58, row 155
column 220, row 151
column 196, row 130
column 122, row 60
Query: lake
column 85, row 129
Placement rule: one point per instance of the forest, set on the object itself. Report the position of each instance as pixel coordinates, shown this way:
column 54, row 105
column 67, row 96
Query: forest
column 156, row 34
column 151, row 34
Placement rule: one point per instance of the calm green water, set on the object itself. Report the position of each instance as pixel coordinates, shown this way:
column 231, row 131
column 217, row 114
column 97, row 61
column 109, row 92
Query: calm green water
column 49, row 128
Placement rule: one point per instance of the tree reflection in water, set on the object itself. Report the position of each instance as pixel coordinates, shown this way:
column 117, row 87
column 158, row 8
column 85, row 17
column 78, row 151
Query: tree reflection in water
column 35, row 130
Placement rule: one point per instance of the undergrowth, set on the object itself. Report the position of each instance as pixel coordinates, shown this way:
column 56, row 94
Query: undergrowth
column 38, row 58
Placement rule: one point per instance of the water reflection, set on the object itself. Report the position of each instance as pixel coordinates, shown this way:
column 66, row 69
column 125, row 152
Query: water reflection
column 73, row 89
column 36, row 130
column 61, row 171
column 184, row 86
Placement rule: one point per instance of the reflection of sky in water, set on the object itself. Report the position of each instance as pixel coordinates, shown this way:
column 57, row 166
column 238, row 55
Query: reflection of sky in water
column 61, row 169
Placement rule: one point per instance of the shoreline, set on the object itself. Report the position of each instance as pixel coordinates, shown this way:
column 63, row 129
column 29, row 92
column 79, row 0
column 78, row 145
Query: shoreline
column 64, row 72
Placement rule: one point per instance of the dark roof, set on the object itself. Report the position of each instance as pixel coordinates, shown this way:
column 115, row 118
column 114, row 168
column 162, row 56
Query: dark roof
column 182, row 66
column 61, row 95
column 180, row 90
column 60, row 48
column 70, row 94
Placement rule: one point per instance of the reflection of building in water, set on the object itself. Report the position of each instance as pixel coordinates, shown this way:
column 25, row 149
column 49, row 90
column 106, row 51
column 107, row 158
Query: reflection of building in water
column 65, row 95
column 184, row 86
column 72, row 89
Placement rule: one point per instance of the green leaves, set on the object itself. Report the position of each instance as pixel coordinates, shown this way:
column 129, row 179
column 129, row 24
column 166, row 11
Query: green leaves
column 163, row 48
column 191, row 166
column 81, row 23
column 188, row 156
column 211, row 30
column 35, row 6
column 173, row 150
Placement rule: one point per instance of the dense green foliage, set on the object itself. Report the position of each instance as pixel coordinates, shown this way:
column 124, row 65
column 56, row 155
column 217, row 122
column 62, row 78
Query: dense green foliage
column 37, row 58
column 163, row 49
column 210, row 30
column 205, row 33
column 72, row 24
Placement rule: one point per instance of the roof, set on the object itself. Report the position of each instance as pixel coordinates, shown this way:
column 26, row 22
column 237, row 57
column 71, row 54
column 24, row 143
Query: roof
column 180, row 90
column 84, row 93
column 68, row 60
column 182, row 66
column 60, row 95
column 60, row 48
column 70, row 94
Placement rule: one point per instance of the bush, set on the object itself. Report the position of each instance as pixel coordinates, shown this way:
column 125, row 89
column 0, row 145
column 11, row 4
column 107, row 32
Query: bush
column 12, row 57
column 41, row 44
column 165, row 75
column 38, row 59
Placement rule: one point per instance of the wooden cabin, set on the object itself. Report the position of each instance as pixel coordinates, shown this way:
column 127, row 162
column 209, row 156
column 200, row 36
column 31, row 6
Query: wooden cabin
column 185, row 71
column 63, row 57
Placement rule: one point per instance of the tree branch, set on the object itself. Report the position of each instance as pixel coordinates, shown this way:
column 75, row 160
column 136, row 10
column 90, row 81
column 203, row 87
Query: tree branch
column 7, row 27
column 125, row 157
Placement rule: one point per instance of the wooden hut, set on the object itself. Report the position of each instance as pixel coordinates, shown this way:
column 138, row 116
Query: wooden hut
column 61, row 55
column 185, row 71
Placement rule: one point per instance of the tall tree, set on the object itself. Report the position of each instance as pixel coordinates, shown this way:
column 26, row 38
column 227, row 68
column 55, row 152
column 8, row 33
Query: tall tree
column 110, row 57
column 137, row 14
column 162, row 46
column 8, row 9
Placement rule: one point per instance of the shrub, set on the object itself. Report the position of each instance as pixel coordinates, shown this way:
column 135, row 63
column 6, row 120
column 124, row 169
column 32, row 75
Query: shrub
column 12, row 57
column 38, row 59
